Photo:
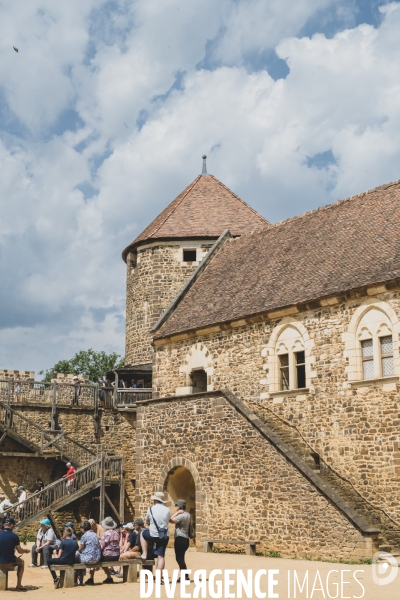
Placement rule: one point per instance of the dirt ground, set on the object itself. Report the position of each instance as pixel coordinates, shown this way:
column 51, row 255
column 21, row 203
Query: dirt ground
column 40, row 583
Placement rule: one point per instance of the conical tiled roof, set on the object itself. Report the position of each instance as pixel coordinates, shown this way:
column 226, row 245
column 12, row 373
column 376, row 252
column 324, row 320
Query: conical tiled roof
column 203, row 210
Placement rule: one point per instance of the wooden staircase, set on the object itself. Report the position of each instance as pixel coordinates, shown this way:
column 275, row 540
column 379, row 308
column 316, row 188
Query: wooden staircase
column 94, row 471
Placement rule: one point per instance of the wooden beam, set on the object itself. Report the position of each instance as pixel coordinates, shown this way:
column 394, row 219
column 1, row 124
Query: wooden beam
column 107, row 497
column 31, row 454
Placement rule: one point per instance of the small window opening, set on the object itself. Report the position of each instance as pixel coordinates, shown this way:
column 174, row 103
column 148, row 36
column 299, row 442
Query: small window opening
column 300, row 369
column 198, row 381
column 190, row 255
column 284, row 369
column 107, row 428
column 317, row 460
column 367, row 351
column 387, row 355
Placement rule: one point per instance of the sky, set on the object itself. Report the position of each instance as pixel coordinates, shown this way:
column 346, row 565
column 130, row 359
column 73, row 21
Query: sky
column 107, row 108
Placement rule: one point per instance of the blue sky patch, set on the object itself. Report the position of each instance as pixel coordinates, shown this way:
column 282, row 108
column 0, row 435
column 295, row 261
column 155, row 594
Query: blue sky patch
column 321, row 160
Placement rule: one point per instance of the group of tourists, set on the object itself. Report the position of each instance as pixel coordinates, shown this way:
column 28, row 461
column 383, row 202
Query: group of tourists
column 102, row 543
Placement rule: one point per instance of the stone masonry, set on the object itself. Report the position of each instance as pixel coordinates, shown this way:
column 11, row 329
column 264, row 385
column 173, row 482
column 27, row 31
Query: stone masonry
column 154, row 277
column 244, row 488
column 352, row 425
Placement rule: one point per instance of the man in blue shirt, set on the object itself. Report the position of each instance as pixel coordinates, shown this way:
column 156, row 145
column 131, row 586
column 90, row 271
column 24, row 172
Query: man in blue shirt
column 9, row 541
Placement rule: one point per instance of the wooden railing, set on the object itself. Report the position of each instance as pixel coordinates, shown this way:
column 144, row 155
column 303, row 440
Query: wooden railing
column 55, row 394
column 39, row 392
column 103, row 467
column 129, row 397
column 45, row 439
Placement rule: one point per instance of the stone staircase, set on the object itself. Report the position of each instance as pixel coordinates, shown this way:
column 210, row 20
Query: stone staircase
column 93, row 471
column 389, row 540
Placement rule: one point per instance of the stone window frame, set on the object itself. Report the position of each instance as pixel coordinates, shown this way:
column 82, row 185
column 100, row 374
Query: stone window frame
column 355, row 334
column 198, row 357
column 270, row 354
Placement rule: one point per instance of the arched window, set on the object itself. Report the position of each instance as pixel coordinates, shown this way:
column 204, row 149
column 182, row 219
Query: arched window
column 290, row 355
column 375, row 350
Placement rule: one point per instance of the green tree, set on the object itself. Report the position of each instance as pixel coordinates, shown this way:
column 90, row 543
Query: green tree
column 86, row 362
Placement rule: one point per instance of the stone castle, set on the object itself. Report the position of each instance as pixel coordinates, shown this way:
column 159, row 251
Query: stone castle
column 273, row 358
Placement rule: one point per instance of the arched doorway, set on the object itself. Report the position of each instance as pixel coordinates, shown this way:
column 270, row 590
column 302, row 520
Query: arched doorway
column 198, row 380
column 180, row 484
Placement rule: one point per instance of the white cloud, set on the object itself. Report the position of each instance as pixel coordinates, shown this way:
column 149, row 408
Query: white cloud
column 63, row 282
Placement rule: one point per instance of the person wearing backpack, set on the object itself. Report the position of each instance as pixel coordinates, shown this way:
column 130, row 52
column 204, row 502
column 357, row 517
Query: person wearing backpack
column 181, row 519
column 156, row 537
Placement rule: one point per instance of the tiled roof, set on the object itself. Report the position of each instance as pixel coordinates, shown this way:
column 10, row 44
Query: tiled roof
column 343, row 246
column 203, row 210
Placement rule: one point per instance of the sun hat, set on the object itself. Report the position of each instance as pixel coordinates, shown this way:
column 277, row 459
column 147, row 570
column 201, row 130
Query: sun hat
column 69, row 524
column 181, row 504
column 92, row 521
column 68, row 463
column 129, row 526
column 139, row 522
column 122, row 524
column 46, row 522
column 159, row 496
column 75, row 377
column 108, row 523
column 21, row 487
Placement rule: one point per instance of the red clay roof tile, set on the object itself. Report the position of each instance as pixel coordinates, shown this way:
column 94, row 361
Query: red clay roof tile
column 203, row 210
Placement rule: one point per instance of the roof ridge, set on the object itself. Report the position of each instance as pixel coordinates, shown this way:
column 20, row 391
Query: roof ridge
column 189, row 189
column 331, row 205
column 239, row 198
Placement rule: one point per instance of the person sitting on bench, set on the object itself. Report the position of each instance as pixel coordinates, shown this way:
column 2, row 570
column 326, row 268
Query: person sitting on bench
column 9, row 541
column 65, row 555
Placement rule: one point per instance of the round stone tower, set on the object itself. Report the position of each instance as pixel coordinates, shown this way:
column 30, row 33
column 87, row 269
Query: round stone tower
column 165, row 254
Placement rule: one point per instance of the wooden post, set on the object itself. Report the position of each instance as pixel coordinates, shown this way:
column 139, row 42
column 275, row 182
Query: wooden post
column 122, row 490
column 115, row 389
column 102, row 488
column 9, row 393
column 54, row 407
column 96, row 409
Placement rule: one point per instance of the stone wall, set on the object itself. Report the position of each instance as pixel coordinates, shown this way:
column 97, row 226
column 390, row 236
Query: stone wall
column 352, row 425
column 152, row 282
column 245, row 489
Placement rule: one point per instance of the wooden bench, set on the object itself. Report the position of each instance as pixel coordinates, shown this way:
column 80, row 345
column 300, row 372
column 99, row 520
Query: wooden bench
column 129, row 569
column 250, row 546
column 5, row 568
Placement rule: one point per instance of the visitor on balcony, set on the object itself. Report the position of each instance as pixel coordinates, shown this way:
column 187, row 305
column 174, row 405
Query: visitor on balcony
column 109, row 543
column 45, row 543
column 65, row 555
column 89, row 552
column 9, row 541
column 77, row 391
column 133, row 384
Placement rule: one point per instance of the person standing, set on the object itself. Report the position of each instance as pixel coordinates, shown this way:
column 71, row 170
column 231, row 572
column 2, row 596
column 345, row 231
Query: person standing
column 39, row 488
column 65, row 554
column 156, row 537
column 5, row 504
column 70, row 478
column 21, row 499
column 45, row 543
column 181, row 519
column 9, row 541
column 77, row 391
